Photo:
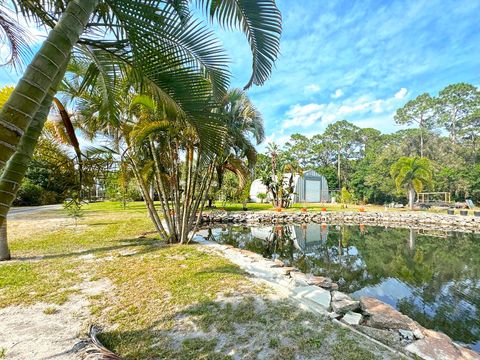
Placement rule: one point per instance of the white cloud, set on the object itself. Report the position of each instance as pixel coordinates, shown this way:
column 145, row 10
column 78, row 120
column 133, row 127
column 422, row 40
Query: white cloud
column 310, row 114
column 401, row 93
column 312, row 88
column 338, row 93
column 320, row 115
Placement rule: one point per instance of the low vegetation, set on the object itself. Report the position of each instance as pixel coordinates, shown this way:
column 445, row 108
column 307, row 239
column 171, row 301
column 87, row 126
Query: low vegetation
column 165, row 301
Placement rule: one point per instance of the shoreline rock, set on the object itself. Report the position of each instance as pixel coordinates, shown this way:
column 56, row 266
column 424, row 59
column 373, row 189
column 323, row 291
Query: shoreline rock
column 423, row 220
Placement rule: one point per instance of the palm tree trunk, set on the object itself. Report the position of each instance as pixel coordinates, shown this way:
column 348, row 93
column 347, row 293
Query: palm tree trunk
column 161, row 188
column 411, row 197
column 4, row 250
column 152, row 212
column 16, row 167
column 26, row 99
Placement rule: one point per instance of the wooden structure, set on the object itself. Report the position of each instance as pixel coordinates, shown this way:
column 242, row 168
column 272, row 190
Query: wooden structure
column 426, row 197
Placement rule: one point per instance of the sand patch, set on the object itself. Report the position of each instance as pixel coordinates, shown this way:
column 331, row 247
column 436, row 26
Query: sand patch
column 47, row 331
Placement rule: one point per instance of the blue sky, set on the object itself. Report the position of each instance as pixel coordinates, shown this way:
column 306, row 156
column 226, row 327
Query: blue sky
column 360, row 61
column 356, row 60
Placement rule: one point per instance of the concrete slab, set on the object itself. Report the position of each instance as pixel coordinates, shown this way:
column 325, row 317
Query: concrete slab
column 315, row 294
column 352, row 318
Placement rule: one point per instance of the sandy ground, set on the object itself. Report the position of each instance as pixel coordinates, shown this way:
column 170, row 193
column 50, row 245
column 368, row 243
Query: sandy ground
column 31, row 333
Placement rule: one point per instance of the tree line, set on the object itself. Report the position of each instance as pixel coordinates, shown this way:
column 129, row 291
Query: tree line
column 445, row 129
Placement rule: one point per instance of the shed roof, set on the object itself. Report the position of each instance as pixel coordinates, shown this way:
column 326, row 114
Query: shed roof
column 312, row 173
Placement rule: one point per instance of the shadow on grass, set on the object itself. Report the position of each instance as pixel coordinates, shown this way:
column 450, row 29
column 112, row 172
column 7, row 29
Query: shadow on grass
column 148, row 245
column 226, row 269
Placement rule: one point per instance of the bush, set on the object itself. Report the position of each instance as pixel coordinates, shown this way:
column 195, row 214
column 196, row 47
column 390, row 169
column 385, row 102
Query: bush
column 50, row 197
column 29, row 194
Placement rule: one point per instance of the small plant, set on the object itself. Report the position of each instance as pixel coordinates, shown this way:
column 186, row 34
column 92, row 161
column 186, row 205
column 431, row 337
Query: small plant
column 73, row 207
column 3, row 353
column 50, row 310
column 274, row 343
column 346, row 197
column 262, row 197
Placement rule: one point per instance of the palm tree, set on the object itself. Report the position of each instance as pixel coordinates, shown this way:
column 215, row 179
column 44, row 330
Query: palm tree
column 181, row 63
column 243, row 122
column 177, row 47
column 16, row 168
column 412, row 174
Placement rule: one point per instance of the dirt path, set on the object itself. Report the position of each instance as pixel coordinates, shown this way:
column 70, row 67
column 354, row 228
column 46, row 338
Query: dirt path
column 25, row 210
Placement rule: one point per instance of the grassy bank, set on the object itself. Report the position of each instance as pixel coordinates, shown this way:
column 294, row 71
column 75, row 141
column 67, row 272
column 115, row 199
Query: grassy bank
column 172, row 302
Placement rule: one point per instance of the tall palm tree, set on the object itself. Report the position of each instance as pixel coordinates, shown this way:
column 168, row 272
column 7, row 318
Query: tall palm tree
column 181, row 63
column 177, row 47
column 412, row 174
column 16, row 168
column 244, row 123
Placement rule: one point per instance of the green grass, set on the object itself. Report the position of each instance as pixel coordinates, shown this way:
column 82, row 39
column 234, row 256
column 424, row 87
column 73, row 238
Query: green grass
column 166, row 301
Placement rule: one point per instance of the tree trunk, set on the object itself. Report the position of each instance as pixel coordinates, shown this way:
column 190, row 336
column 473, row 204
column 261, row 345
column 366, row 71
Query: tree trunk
column 411, row 239
column 411, row 197
column 16, row 167
column 26, row 99
column 338, row 171
column 4, row 251
column 421, row 142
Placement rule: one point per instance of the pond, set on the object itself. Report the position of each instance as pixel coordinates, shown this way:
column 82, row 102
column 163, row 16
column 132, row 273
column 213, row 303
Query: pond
column 431, row 276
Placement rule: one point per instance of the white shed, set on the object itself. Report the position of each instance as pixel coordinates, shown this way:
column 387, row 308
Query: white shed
column 311, row 187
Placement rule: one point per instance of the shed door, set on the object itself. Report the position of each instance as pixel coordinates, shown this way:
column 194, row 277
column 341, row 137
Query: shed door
column 312, row 191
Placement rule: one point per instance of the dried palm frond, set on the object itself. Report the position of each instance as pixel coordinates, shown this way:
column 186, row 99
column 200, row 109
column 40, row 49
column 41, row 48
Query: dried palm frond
column 95, row 350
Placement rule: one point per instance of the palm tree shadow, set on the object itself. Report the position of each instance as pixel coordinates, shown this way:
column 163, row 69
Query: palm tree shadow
column 147, row 245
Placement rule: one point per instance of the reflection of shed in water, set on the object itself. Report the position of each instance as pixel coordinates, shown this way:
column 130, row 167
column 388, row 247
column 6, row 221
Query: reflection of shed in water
column 304, row 237
column 311, row 236
column 264, row 232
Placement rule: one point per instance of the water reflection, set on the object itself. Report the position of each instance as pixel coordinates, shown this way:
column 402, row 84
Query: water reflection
column 432, row 276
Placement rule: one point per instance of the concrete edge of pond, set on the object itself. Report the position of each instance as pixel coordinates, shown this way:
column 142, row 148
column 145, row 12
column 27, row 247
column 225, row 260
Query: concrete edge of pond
column 366, row 317
column 423, row 220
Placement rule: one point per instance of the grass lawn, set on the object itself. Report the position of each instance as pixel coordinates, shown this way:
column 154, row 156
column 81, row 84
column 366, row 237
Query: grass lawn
column 163, row 302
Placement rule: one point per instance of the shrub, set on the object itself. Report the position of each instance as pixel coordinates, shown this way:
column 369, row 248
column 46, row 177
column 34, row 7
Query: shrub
column 29, row 194
column 49, row 197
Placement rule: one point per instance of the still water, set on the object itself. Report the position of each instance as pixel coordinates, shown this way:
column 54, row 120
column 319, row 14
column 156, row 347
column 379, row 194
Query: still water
column 431, row 276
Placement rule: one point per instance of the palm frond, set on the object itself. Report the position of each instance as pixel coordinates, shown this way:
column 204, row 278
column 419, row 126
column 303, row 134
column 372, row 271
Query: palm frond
column 14, row 36
column 237, row 166
column 261, row 21
column 144, row 130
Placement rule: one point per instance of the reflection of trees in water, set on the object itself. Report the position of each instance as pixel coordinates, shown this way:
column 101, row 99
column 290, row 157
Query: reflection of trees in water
column 453, row 312
column 442, row 272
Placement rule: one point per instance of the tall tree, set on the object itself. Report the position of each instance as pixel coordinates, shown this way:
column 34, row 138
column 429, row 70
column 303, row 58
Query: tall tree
column 243, row 122
column 343, row 138
column 177, row 46
column 418, row 111
column 412, row 174
column 457, row 103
